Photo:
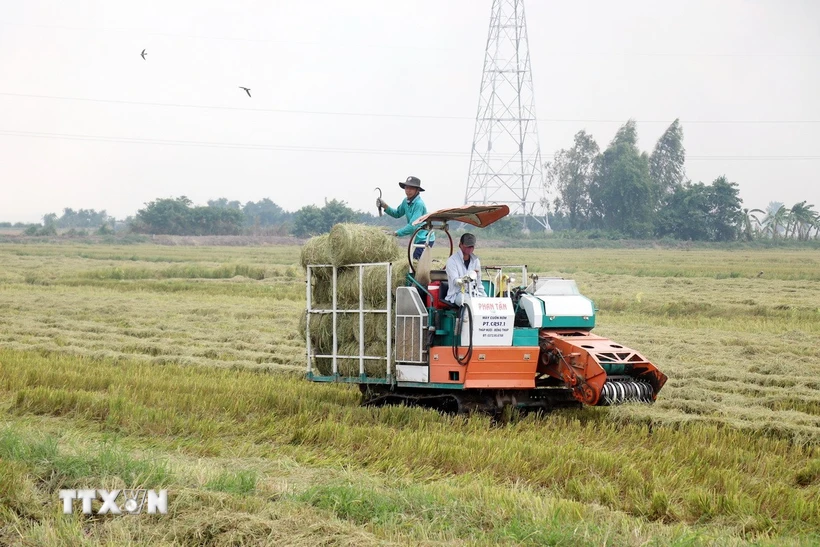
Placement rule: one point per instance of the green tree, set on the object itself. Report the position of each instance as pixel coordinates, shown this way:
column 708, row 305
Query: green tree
column 702, row 213
column 214, row 221
column 571, row 174
column 223, row 203
column 666, row 164
column 83, row 218
column 685, row 213
column 177, row 217
column 626, row 134
column 621, row 193
column 725, row 210
column 164, row 216
column 264, row 213
column 336, row 212
column 311, row 220
column 308, row 221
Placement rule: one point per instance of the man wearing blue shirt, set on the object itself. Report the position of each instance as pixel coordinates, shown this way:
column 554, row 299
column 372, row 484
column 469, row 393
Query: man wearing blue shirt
column 412, row 208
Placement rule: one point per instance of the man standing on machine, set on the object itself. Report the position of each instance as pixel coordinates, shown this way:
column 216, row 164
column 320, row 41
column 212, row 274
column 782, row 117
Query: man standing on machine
column 412, row 208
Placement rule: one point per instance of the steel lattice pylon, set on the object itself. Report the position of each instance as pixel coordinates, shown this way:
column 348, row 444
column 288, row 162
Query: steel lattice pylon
column 505, row 163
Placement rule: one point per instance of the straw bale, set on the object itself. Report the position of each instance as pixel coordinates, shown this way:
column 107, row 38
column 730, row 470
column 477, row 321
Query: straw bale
column 316, row 250
column 347, row 244
column 347, row 333
column 321, row 283
column 321, row 326
column 347, row 327
column 375, row 328
column 364, row 245
column 355, row 243
column 373, row 285
column 350, row 367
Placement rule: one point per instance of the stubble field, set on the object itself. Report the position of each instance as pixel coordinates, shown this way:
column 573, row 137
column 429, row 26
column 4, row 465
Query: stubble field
column 181, row 368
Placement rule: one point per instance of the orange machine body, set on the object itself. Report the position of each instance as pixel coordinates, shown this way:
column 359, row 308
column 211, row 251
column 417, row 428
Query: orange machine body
column 489, row 367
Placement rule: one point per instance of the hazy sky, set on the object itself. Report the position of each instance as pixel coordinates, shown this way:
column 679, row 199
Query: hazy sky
column 351, row 95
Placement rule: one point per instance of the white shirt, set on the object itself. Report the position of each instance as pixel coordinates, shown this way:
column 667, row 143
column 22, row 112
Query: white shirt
column 455, row 269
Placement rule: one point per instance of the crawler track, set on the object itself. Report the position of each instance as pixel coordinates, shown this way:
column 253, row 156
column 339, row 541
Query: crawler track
column 493, row 402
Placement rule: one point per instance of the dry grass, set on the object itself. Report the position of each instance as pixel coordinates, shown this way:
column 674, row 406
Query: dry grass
column 253, row 454
column 666, row 481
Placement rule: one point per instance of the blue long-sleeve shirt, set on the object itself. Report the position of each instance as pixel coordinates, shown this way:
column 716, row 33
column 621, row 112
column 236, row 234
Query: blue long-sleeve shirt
column 412, row 211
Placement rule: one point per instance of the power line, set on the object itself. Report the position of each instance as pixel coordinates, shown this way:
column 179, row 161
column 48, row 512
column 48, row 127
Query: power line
column 751, row 158
column 334, row 45
column 324, row 149
column 236, row 108
column 384, row 115
column 673, row 54
column 148, row 32
column 229, row 145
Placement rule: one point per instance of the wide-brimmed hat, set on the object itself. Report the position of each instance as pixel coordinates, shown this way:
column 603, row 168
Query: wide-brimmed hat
column 412, row 182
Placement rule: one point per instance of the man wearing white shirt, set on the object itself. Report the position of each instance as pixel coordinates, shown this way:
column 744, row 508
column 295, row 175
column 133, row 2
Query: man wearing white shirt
column 461, row 263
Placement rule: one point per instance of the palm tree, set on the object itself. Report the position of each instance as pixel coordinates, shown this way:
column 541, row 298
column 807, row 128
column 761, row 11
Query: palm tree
column 810, row 221
column 815, row 226
column 801, row 219
column 794, row 220
column 776, row 218
column 750, row 222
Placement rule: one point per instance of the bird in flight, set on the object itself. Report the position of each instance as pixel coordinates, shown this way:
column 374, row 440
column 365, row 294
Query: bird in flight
column 143, row 54
column 247, row 90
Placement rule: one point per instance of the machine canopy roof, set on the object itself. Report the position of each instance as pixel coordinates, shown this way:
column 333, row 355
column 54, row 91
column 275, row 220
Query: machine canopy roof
column 480, row 216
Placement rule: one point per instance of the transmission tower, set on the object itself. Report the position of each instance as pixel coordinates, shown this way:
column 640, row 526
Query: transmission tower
column 505, row 163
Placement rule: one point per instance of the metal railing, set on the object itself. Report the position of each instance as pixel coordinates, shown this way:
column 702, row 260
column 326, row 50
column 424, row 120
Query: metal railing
column 361, row 311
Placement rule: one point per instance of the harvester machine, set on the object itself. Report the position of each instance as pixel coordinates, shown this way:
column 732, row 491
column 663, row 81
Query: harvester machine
column 527, row 344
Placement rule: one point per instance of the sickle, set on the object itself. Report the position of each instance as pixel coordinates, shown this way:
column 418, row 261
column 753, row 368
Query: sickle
column 380, row 197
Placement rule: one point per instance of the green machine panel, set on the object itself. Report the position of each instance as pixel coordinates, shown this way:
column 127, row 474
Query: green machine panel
column 523, row 336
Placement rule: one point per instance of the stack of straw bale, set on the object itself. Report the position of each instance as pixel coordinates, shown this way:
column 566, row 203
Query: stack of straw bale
column 351, row 244
column 347, row 331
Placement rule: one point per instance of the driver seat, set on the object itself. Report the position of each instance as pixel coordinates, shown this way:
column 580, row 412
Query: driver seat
column 443, row 287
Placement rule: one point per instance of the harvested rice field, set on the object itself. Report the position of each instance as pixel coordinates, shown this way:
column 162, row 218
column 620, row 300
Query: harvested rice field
column 181, row 368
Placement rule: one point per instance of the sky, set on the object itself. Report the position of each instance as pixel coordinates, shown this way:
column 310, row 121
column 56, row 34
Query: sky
column 348, row 96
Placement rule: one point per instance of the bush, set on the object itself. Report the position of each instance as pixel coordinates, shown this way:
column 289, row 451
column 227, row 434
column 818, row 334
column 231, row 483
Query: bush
column 39, row 231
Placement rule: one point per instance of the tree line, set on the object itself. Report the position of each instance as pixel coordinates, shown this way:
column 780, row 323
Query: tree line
column 630, row 193
column 178, row 216
column 619, row 192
